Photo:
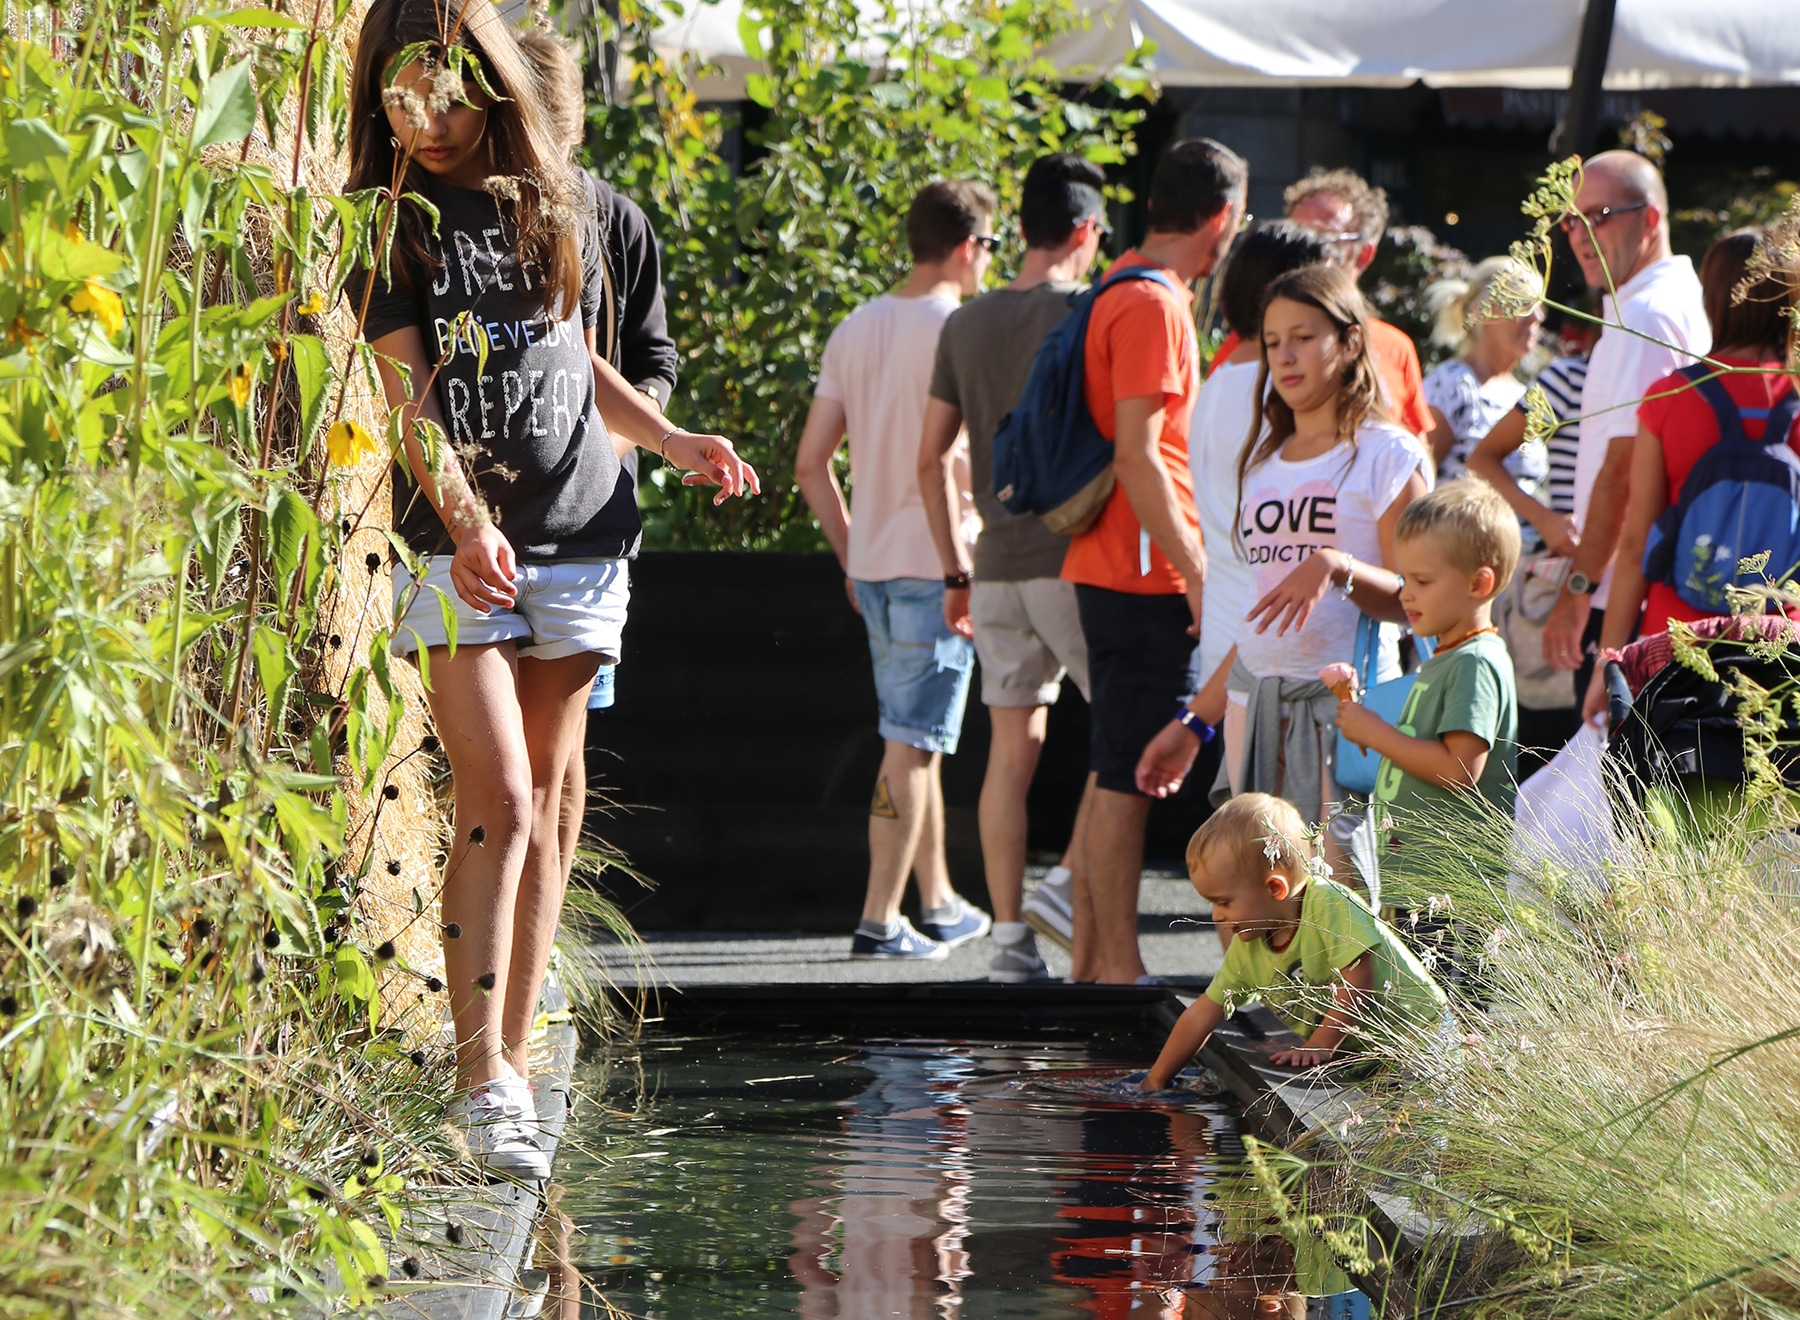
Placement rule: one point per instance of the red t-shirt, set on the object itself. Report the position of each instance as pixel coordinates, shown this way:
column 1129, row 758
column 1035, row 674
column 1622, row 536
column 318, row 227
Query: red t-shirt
column 1675, row 413
column 1396, row 363
column 1140, row 342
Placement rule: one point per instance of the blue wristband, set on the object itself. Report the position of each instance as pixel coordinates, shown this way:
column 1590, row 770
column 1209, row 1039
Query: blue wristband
column 1194, row 724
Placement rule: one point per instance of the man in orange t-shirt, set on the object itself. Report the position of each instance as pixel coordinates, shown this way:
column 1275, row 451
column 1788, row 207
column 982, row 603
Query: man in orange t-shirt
column 1347, row 213
column 1139, row 570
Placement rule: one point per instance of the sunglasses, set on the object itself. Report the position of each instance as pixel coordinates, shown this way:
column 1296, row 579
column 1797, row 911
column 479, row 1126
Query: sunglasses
column 1595, row 219
column 990, row 242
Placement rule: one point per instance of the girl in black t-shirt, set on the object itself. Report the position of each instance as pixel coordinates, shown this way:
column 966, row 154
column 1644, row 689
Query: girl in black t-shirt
column 508, row 492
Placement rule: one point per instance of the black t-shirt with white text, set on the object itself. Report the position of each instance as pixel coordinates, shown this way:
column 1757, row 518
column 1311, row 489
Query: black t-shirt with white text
column 524, row 421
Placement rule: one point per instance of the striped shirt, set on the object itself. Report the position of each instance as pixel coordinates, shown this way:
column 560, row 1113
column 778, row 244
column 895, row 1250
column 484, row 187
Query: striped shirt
column 1561, row 382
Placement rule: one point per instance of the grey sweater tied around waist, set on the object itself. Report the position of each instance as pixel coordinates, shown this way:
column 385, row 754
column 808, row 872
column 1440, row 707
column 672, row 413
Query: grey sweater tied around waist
column 1286, row 765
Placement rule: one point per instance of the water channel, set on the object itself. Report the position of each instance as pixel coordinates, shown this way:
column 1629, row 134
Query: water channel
column 809, row 1174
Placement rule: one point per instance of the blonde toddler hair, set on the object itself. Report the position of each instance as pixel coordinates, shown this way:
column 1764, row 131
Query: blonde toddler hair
column 1473, row 524
column 560, row 88
column 1257, row 833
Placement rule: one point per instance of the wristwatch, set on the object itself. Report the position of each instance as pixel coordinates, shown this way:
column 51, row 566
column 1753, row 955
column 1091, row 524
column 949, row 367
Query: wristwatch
column 956, row 581
column 1580, row 584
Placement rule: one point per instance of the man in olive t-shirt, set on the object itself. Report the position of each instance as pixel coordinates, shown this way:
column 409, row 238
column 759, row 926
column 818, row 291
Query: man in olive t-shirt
column 1022, row 615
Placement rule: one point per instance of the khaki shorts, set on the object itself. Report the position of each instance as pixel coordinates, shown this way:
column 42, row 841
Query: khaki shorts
column 1027, row 635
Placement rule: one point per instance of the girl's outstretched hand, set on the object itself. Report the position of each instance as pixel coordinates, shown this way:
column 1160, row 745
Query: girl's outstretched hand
column 1295, row 597
column 711, row 460
column 483, row 569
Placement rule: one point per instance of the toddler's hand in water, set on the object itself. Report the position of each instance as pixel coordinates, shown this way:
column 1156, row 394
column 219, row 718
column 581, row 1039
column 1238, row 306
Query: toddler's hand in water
column 1301, row 1058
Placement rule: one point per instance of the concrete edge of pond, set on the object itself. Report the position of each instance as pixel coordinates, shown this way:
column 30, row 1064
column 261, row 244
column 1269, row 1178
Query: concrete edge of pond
column 1287, row 1109
column 489, row 1274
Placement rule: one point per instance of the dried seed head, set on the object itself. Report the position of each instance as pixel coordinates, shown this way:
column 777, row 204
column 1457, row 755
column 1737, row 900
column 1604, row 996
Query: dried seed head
column 335, row 641
column 27, row 907
column 348, row 526
column 410, row 1267
column 453, row 1234
column 409, row 103
column 478, row 835
column 433, row 984
column 386, row 951
column 452, row 930
column 257, row 971
column 502, row 187
column 369, row 1157
column 486, row 980
column 390, row 791
column 372, row 562
column 429, row 743
column 418, row 1058
column 271, row 938
column 59, row 876
column 202, row 928
column 9, row 1006
column 393, row 867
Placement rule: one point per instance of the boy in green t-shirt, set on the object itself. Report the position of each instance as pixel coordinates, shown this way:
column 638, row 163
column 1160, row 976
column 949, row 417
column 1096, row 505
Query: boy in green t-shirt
column 1304, row 945
column 1455, row 744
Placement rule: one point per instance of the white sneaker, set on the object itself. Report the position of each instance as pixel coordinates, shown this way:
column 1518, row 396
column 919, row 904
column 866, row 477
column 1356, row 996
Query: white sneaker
column 516, row 1100
column 500, row 1143
column 1049, row 910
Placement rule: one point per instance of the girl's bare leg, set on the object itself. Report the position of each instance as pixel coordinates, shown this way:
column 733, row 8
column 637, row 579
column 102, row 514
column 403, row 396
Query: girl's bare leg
column 474, row 700
column 553, row 712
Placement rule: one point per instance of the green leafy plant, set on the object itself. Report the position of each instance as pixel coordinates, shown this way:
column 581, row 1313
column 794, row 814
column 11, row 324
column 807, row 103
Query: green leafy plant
column 856, row 117
column 220, row 1081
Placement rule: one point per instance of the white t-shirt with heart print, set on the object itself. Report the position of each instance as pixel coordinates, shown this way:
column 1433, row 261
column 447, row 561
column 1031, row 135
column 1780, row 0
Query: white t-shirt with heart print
column 1290, row 511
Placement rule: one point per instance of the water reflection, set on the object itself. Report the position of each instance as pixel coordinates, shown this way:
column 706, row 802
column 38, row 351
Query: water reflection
column 907, row 1179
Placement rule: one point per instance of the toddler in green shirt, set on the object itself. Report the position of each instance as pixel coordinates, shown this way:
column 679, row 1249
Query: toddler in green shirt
column 1455, row 743
column 1302, row 944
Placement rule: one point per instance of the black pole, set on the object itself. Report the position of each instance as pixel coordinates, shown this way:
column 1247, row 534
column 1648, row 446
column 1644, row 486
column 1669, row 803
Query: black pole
column 1580, row 122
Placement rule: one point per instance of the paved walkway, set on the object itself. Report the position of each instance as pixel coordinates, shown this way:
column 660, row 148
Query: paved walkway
column 1174, row 933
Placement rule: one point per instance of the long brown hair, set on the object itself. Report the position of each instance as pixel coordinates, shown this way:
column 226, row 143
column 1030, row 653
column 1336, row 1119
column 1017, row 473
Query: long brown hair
column 1332, row 290
column 539, row 194
column 1760, row 317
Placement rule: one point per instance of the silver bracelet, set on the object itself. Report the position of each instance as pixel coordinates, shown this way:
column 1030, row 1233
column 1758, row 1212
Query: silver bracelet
column 663, row 444
column 1349, row 583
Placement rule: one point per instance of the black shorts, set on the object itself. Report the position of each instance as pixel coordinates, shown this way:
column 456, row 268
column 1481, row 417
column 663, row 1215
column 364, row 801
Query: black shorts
column 1139, row 658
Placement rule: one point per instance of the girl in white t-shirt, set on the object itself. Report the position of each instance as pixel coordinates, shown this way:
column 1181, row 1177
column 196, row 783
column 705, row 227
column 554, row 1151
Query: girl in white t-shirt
column 1228, row 404
column 1322, row 480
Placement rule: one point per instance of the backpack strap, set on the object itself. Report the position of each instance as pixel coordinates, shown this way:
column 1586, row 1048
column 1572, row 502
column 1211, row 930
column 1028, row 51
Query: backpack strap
column 1781, row 419
column 1136, row 273
column 1725, row 409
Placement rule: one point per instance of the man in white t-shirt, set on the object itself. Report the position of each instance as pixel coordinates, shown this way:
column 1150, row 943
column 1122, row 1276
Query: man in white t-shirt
column 1655, row 322
column 873, row 383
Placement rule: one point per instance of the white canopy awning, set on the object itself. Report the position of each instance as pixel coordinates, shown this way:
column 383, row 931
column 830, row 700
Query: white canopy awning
column 1382, row 43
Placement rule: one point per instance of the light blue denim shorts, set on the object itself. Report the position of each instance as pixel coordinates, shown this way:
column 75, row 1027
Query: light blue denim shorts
column 922, row 668
column 562, row 609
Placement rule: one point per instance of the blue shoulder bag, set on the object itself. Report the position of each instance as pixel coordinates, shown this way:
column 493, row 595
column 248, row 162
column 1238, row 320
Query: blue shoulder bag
column 1356, row 769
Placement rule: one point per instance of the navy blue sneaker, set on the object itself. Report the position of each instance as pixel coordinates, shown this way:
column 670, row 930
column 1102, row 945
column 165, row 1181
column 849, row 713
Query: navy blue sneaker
column 956, row 923
column 905, row 943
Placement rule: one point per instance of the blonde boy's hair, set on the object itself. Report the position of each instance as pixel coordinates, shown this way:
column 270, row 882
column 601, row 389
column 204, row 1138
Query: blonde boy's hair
column 1258, row 834
column 559, row 85
column 1473, row 524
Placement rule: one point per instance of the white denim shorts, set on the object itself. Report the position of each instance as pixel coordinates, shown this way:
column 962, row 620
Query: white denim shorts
column 561, row 609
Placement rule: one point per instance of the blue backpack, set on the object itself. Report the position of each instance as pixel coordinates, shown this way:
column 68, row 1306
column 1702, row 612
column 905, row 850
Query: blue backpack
column 1740, row 499
column 1049, row 457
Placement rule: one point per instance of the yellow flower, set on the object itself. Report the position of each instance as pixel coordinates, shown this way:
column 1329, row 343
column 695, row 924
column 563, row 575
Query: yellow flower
column 237, row 385
column 346, row 442
column 106, row 306
column 314, row 304
column 72, row 232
